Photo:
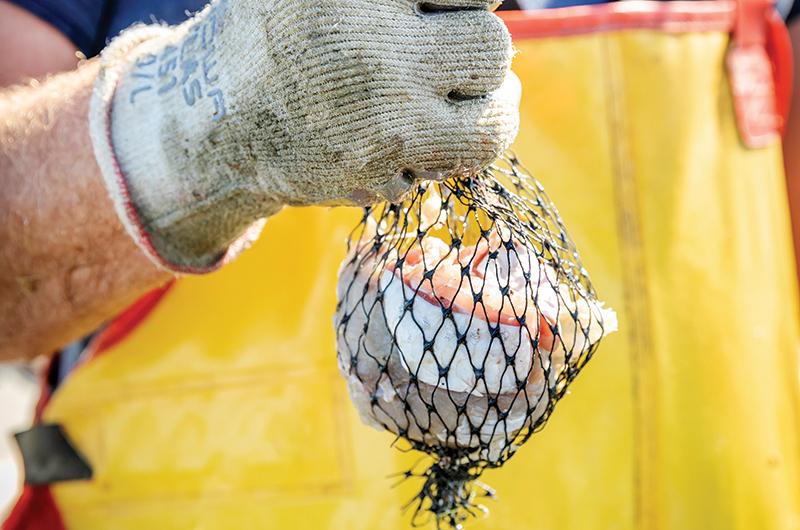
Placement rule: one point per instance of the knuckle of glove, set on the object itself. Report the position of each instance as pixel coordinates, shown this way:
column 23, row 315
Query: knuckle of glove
column 471, row 135
column 468, row 54
column 452, row 141
column 469, row 117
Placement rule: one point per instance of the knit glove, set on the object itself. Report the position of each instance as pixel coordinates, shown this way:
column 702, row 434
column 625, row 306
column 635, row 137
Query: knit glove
column 205, row 129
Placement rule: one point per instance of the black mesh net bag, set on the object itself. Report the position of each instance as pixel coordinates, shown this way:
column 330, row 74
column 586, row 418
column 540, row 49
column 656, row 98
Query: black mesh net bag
column 464, row 313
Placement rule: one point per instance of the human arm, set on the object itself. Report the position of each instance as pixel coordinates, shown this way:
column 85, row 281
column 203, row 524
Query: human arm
column 333, row 102
column 66, row 262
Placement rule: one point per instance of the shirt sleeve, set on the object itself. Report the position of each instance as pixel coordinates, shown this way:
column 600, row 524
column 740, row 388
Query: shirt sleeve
column 79, row 20
column 788, row 9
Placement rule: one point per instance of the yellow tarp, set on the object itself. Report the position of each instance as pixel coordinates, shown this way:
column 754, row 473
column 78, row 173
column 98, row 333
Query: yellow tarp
column 225, row 408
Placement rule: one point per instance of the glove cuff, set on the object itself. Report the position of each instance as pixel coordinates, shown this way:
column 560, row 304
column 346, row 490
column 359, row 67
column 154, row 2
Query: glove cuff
column 114, row 62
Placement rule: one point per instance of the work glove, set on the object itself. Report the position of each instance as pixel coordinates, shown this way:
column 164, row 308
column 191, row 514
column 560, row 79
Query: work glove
column 205, row 129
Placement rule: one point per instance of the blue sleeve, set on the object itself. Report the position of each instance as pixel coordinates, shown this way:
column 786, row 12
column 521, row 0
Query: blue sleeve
column 79, row 20
column 789, row 9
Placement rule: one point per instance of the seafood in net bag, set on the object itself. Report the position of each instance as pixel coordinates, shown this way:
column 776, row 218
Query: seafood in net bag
column 463, row 314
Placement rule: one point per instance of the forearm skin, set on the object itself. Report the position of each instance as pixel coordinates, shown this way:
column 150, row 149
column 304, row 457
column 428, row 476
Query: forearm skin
column 66, row 262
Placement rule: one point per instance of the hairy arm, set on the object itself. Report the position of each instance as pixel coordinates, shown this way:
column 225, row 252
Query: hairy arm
column 66, row 263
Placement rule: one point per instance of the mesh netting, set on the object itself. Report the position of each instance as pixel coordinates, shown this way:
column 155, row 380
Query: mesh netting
column 464, row 312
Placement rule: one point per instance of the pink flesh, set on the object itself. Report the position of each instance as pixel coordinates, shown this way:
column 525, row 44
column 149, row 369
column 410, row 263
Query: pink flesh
column 450, row 291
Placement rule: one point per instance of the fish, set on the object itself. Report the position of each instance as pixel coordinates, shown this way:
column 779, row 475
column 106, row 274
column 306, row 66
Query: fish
column 459, row 346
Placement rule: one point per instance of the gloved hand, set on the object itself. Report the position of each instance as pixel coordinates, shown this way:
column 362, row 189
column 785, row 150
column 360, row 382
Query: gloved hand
column 204, row 128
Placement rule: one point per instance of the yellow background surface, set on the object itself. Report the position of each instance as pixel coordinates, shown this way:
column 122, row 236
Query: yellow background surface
column 225, row 408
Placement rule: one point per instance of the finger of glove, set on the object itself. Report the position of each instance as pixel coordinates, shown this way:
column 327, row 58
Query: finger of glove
column 446, row 141
column 465, row 136
column 466, row 54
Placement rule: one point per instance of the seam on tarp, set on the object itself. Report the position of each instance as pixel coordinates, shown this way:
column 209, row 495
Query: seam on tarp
column 635, row 293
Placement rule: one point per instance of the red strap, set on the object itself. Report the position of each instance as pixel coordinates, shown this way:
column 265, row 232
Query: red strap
column 36, row 508
column 779, row 49
column 760, row 81
column 749, row 27
column 126, row 322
